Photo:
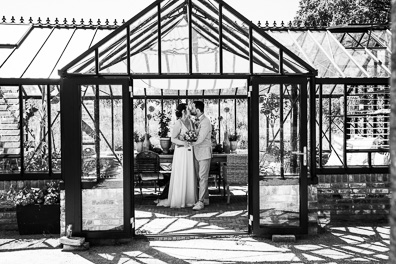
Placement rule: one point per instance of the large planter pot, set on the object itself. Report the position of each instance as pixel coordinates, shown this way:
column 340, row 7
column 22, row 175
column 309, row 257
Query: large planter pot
column 139, row 146
column 233, row 145
column 38, row 219
column 165, row 144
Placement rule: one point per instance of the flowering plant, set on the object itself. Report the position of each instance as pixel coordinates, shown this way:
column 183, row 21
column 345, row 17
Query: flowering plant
column 50, row 194
column 190, row 136
column 234, row 137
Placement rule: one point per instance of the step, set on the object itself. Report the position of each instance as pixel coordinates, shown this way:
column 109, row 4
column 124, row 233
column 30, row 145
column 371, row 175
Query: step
column 8, row 120
column 10, row 95
column 13, row 132
column 8, row 126
column 12, row 151
column 8, row 144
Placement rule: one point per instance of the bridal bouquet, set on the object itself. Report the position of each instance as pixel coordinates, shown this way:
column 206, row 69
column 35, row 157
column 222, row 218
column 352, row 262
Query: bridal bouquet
column 190, row 136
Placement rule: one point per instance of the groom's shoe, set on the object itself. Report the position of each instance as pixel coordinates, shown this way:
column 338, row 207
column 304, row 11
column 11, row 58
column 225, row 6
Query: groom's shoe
column 206, row 202
column 198, row 206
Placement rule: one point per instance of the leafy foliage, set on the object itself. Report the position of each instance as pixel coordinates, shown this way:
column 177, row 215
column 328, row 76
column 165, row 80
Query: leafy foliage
column 234, row 137
column 163, row 120
column 338, row 12
column 50, row 194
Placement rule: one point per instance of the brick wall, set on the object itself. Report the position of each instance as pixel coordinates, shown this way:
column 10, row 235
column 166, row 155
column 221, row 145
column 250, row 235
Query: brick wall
column 354, row 198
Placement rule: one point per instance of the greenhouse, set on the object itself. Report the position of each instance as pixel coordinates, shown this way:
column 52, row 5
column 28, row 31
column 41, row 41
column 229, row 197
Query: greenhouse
column 309, row 107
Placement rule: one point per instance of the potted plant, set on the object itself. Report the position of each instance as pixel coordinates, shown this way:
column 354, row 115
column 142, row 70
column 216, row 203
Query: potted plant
column 163, row 120
column 137, row 137
column 233, row 141
column 37, row 210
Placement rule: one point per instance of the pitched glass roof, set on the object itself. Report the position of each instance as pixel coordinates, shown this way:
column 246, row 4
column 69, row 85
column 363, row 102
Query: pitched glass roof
column 38, row 50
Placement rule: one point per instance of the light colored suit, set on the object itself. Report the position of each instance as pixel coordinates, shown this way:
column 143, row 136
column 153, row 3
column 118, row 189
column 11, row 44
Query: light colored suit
column 203, row 155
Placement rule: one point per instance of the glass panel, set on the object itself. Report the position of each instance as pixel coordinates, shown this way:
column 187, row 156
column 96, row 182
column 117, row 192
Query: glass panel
column 113, row 53
column 10, row 141
column 102, row 171
column 35, row 125
column 45, row 61
column 11, row 34
column 55, row 128
column 279, row 131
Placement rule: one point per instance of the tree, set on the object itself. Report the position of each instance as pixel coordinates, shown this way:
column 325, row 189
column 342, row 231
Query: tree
column 340, row 12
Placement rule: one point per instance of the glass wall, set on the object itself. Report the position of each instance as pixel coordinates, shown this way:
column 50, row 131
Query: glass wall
column 30, row 131
column 353, row 122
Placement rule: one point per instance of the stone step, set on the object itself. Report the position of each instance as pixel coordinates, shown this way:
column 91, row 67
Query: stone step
column 7, row 120
column 10, row 138
column 13, row 132
column 72, row 241
column 11, row 151
column 8, row 126
column 10, row 95
column 11, row 144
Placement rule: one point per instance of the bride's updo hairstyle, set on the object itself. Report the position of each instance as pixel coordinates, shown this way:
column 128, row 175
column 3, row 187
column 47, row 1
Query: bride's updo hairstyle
column 179, row 110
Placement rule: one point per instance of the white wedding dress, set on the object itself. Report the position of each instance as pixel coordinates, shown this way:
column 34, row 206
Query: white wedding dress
column 183, row 183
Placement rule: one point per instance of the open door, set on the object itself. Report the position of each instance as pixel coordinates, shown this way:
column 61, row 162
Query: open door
column 96, row 156
column 279, row 156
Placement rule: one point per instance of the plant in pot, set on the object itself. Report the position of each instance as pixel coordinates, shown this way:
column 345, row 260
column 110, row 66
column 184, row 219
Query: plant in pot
column 233, row 141
column 137, row 138
column 37, row 210
column 163, row 120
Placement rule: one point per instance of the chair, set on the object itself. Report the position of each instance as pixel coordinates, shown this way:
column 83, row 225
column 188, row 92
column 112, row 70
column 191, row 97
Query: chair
column 148, row 169
column 215, row 174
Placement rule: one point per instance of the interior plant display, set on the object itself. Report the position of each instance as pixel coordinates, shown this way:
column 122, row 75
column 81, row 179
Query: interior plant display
column 38, row 209
column 163, row 119
column 226, row 142
column 234, row 137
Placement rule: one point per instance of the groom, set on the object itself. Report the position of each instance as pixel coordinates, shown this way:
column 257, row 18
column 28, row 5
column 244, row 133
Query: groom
column 202, row 152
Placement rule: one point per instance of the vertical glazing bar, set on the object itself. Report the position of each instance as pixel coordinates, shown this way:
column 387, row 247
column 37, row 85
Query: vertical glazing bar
column 320, row 124
column 221, row 37
column 312, row 135
column 112, row 117
column 344, row 147
column 96, row 61
column 128, row 34
column 250, row 50
column 22, row 153
column 280, row 61
column 97, row 127
column 190, row 71
column 49, row 130
column 159, row 38
column 218, row 121
column 281, row 122
column 235, row 114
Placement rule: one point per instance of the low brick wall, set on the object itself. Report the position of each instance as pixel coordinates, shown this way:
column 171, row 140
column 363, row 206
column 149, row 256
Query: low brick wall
column 354, row 198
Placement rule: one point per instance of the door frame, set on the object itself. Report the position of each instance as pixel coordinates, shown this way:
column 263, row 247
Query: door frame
column 71, row 139
column 254, row 148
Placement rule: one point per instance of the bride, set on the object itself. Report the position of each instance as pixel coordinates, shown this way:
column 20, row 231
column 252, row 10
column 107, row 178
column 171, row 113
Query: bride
column 182, row 187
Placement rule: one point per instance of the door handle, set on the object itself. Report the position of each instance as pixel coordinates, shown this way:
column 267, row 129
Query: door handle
column 304, row 154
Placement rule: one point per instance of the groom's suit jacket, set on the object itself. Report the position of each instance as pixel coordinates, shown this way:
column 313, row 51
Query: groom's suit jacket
column 203, row 145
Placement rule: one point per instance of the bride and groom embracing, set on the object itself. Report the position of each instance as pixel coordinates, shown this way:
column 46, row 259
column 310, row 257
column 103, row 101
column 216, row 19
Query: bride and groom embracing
column 191, row 160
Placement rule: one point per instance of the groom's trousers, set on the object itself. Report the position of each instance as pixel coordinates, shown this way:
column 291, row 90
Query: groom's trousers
column 202, row 171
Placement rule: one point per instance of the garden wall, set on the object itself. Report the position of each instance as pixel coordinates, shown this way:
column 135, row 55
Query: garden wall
column 354, row 198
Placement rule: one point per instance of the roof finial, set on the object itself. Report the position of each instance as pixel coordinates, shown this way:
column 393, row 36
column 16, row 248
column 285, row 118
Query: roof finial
column 115, row 22
column 73, row 21
column 90, row 22
column 259, row 24
column 3, row 19
column 12, row 19
column 82, row 21
column 48, row 20
column 30, row 20
column 266, row 23
column 274, row 23
column 39, row 21
column 22, row 20
column 98, row 22
column 56, row 21
column 282, row 24
column 65, row 21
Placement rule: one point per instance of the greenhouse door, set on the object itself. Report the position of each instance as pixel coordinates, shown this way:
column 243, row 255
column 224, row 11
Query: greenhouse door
column 96, row 151
column 278, row 168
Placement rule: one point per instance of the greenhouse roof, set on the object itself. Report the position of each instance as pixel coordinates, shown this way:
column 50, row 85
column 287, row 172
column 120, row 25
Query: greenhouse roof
column 157, row 41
